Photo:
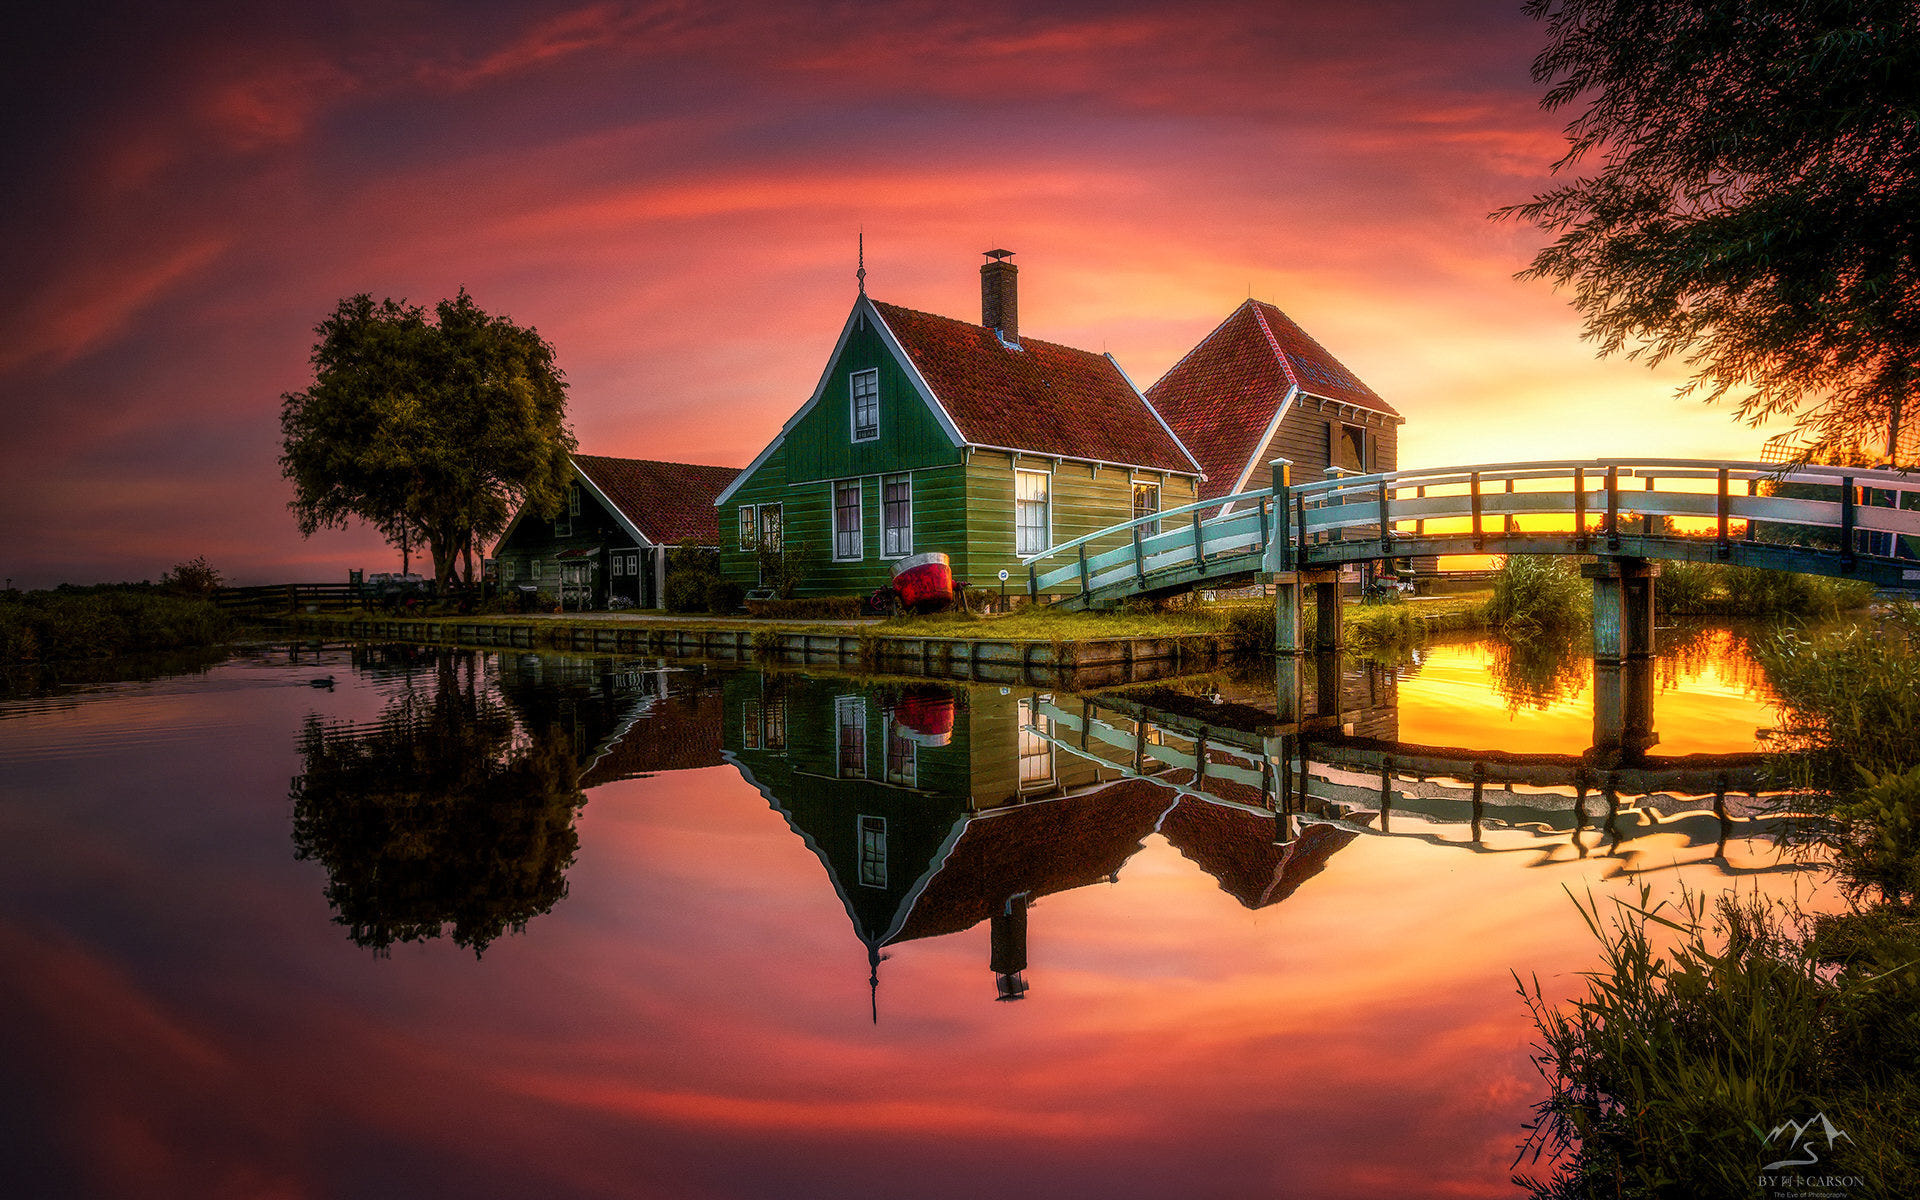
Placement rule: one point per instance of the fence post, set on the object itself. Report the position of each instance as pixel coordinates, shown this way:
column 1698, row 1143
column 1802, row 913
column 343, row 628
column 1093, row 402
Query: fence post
column 1613, row 508
column 1139, row 557
column 1479, row 538
column 1033, row 582
column 1724, row 548
column 1086, row 580
column 1846, row 521
column 1386, row 525
column 1199, row 541
column 1580, row 507
column 1280, row 548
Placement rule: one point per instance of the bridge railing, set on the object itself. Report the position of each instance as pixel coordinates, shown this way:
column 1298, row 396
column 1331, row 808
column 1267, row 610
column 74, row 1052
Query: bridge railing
column 1603, row 497
column 1479, row 507
column 1156, row 542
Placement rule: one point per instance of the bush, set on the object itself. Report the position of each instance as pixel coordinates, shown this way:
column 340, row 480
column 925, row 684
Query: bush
column 687, row 590
column 195, row 577
column 837, row 608
column 1537, row 592
column 1880, row 847
column 724, row 596
column 1666, row 1077
column 1715, row 589
column 1850, row 700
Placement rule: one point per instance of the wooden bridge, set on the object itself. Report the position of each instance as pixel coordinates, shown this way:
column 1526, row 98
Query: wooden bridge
column 1844, row 522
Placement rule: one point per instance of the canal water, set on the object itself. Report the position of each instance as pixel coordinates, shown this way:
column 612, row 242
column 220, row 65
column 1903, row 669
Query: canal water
column 384, row 921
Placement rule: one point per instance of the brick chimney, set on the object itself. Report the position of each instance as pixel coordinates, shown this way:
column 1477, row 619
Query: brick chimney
column 1000, row 295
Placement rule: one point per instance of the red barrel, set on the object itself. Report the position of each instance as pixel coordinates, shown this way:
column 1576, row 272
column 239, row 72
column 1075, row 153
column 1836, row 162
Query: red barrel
column 924, row 582
column 925, row 717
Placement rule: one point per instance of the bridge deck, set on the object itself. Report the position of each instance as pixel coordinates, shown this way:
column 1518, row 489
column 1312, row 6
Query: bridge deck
column 1838, row 522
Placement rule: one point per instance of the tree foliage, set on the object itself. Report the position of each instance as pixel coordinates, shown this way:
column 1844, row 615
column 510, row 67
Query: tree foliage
column 1755, row 202
column 431, row 431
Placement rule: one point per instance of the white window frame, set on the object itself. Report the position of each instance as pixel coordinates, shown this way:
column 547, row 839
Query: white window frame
column 849, row 713
column 870, row 376
column 1019, row 548
column 1032, row 746
column 897, row 741
column 859, row 532
column 779, row 537
column 873, row 867
column 749, row 523
column 1152, row 527
column 618, row 566
column 896, row 541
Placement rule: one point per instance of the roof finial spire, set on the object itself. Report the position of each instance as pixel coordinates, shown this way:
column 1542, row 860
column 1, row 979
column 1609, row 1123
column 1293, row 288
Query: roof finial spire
column 861, row 274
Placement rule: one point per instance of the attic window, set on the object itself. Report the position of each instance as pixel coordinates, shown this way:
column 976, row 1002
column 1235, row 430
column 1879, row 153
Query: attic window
column 866, row 405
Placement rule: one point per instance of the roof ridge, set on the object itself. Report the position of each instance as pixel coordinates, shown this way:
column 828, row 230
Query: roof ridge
column 659, row 462
column 1023, row 340
column 1286, row 363
column 1198, row 346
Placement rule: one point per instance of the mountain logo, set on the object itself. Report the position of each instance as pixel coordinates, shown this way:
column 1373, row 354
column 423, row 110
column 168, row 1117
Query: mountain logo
column 1804, row 1136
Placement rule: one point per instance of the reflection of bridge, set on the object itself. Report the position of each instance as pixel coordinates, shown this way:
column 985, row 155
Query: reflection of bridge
column 1363, row 784
column 1837, row 521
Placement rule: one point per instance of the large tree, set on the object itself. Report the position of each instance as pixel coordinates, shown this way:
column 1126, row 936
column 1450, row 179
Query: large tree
column 433, row 431
column 1753, row 203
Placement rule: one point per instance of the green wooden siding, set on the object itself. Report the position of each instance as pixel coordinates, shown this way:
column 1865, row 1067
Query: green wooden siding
column 528, row 554
column 1085, row 500
column 821, row 446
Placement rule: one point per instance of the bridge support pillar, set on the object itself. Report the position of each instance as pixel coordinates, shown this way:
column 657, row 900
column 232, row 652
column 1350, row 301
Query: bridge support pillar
column 1622, row 607
column 1622, row 656
column 1623, row 709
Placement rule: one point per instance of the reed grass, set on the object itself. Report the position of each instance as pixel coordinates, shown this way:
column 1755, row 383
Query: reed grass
column 1668, row 1075
column 69, row 624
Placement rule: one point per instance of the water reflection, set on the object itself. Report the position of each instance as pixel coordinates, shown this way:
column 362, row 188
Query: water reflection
column 441, row 817
column 936, row 808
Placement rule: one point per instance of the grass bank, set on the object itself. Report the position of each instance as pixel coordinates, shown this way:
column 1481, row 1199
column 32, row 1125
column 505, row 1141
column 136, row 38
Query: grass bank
column 75, row 624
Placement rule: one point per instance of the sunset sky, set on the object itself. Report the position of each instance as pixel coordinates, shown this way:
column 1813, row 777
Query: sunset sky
column 671, row 193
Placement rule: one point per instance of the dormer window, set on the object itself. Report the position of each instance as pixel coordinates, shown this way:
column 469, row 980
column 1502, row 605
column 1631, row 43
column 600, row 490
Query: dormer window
column 866, row 405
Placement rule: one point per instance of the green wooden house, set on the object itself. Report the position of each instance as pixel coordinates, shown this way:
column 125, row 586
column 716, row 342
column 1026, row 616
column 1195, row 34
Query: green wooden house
column 927, row 433
column 608, row 546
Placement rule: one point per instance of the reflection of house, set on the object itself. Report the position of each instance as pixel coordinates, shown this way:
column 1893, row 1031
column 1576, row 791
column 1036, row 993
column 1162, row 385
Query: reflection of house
column 623, row 719
column 927, row 433
column 1259, row 388
column 934, row 809
column 611, row 539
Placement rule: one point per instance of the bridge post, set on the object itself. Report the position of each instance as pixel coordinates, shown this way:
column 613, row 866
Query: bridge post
column 1622, row 655
column 1281, row 565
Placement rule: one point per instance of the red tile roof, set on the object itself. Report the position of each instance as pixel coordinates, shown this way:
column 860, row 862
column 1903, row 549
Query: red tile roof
column 1222, row 396
column 666, row 501
column 1236, row 848
column 678, row 732
column 1040, row 848
column 1043, row 398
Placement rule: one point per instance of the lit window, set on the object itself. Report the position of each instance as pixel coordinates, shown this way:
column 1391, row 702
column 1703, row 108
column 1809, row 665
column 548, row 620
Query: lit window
column 846, row 521
column 1036, row 751
column 1146, row 502
column 866, row 405
column 873, row 852
column 1347, row 447
column 903, row 756
column 770, row 526
column 896, row 516
column 850, row 720
column 746, row 527
column 750, row 720
column 1032, row 515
